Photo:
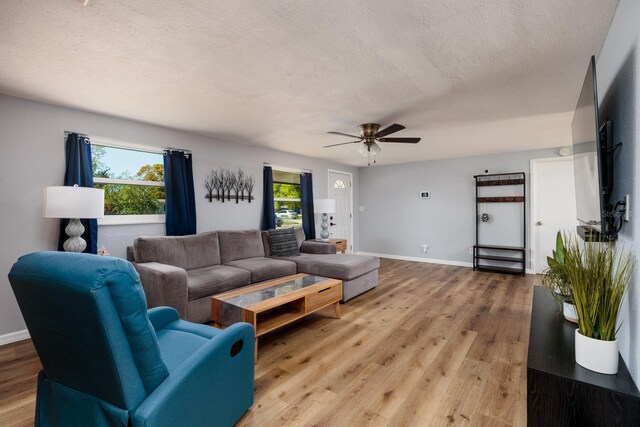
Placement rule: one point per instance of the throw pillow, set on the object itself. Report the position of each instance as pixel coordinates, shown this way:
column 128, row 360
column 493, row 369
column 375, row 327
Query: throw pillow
column 283, row 242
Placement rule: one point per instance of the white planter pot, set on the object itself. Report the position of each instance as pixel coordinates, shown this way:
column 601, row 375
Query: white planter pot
column 597, row 355
column 569, row 312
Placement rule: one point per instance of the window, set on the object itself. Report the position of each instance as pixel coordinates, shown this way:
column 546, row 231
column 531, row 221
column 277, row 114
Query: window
column 286, row 197
column 340, row 185
column 133, row 183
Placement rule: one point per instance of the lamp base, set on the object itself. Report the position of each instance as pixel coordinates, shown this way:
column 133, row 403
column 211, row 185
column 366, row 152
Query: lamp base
column 324, row 225
column 74, row 230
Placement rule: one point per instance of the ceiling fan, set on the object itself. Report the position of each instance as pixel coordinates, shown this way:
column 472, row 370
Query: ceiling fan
column 370, row 135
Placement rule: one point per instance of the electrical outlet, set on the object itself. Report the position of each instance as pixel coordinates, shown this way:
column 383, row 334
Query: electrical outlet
column 470, row 251
column 424, row 247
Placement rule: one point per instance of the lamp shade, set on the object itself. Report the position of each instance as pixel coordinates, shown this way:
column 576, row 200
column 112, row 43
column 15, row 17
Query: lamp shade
column 373, row 149
column 73, row 202
column 324, row 205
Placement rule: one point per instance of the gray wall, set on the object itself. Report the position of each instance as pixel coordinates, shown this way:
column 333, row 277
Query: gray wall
column 396, row 221
column 32, row 157
column 619, row 93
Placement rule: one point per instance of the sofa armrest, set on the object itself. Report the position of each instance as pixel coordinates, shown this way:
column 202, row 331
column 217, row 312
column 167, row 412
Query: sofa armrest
column 214, row 386
column 164, row 285
column 311, row 247
column 130, row 255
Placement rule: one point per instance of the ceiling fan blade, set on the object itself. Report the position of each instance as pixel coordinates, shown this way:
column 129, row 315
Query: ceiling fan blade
column 405, row 140
column 389, row 130
column 343, row 134
column 342, row 143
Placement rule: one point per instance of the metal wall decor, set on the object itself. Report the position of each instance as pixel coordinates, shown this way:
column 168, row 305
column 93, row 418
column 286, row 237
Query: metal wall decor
column 222, row 182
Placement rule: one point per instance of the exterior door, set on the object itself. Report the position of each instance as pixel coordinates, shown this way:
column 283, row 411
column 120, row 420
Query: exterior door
column 553, row 205
column 340, row 189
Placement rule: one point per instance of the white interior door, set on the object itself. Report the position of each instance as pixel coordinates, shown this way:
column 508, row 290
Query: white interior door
column 340, row 189
column 553, row 205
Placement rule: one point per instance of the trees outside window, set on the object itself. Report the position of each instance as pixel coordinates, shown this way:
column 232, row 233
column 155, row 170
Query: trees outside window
column 129, row 193
column 286, row 196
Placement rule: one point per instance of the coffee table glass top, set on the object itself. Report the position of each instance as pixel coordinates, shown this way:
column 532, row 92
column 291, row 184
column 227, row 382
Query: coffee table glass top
column 280, row 289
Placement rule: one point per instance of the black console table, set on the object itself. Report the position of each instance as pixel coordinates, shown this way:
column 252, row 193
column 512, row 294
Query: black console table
column 563, row 393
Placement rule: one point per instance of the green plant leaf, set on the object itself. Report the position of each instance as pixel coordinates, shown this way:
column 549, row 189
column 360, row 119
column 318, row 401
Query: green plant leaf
column 559, row 253
column 598, row 274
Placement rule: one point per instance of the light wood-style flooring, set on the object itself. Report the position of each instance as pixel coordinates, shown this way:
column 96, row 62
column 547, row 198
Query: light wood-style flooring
column 431, row 345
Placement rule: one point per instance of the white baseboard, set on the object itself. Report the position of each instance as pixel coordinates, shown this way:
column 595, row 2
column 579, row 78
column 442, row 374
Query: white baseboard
column 427, row 260
column 14, row 337
column 418, row 259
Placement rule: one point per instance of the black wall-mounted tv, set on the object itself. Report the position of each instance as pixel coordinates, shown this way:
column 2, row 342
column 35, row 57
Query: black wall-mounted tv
column 593, row 164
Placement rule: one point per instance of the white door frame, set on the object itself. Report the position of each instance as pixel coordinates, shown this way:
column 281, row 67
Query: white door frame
column 351, row 242
column 532, row 215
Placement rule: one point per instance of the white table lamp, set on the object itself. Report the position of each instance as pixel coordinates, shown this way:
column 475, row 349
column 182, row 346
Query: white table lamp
column 73, row 203
column 324, row 206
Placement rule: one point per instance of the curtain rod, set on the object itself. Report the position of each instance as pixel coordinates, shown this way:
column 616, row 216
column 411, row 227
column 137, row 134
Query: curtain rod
column 126, row 144
column 286, row 169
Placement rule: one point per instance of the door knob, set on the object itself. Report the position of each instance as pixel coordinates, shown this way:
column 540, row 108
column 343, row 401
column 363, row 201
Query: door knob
column 332, row 223
column 539, row 223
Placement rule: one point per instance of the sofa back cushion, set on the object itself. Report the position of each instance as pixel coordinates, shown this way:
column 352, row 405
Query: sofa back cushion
column 188, row 252
column 236, row 245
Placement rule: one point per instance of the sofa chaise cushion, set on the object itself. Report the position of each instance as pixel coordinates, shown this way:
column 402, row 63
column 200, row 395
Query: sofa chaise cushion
column 343, row 267
column 188, row 252
column 203, row 282
column 235, row 245
column 262, row 268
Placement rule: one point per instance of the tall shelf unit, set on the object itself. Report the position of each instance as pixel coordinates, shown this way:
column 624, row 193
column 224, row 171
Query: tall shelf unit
column 498, row 258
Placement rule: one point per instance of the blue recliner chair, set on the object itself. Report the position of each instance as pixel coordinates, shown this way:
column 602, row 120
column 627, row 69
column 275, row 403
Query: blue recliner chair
column 109, row 362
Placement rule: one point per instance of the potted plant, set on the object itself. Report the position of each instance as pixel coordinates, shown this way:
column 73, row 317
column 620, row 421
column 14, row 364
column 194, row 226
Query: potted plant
column 599, row 274
column 554, row 279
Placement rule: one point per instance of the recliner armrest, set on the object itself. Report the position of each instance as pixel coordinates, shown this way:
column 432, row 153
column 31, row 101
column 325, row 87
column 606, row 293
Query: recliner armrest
column 164, row 284
column 162, row 316
column 214, row 386
column 312, row 247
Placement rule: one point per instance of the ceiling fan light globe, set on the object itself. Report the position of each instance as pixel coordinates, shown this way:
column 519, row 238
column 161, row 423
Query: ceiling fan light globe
column 363, row 150
column 375, row 149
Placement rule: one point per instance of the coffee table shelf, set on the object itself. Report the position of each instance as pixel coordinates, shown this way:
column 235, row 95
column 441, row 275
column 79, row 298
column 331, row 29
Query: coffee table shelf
column 273, row 304
column 270, row 320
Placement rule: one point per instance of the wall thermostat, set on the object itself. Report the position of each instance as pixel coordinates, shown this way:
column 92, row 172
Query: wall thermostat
column 425, row 194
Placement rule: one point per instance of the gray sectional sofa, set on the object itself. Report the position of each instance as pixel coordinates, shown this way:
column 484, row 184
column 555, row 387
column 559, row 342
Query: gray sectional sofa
column 184, row 272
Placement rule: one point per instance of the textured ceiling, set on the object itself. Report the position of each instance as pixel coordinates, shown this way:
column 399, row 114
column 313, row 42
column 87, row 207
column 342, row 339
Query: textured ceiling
column 469, row 77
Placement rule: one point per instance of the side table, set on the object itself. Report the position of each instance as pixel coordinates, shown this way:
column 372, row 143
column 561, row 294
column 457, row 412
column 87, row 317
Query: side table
column 340, row 244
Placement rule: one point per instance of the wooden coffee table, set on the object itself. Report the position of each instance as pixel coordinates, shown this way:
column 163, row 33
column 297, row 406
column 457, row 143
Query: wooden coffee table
column 270, row 305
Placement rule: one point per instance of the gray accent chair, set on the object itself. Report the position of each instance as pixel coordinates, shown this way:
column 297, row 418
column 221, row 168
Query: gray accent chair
column 184, row 272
